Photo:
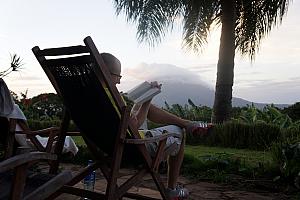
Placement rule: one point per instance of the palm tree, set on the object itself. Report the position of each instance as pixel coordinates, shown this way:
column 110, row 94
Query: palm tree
column 244, row 23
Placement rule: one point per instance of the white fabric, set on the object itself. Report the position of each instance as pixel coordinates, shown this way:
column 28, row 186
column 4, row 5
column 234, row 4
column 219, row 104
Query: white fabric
column 170, row 140
column 23, row 141
column 21, row 138
column 170, row 129
column 6, row 101
column 17, row 113
column 69, row 145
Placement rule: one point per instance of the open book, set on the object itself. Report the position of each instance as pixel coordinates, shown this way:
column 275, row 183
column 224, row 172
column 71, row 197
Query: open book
column 142, row 93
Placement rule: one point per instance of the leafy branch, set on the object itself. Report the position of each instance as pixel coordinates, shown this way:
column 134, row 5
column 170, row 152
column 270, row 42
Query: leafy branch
column 15, row 64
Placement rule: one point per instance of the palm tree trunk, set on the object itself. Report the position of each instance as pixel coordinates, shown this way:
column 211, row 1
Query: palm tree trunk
column 223, row 94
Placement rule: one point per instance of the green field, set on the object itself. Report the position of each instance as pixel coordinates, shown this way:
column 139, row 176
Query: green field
column 250, row 157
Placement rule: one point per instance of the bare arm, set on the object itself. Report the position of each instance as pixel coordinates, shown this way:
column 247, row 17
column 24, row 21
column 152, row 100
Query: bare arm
column 139, row 113
column 155, row 114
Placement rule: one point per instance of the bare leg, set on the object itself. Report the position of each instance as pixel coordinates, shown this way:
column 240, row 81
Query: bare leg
column 160, row 116
column 174, row 165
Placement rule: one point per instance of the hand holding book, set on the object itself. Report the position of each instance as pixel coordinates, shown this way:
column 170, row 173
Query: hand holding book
column 144, row 92
column 155, row 84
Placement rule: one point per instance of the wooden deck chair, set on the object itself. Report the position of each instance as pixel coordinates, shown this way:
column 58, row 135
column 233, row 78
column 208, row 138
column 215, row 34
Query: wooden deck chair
column 27, row 140
column 81, row 78
column 12, row 148
column 17, row 182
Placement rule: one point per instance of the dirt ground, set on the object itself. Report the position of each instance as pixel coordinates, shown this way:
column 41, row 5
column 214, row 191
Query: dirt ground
column 199, row 190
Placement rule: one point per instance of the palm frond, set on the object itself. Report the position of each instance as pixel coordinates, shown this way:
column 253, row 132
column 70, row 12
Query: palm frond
column 199, row 15
column 131, row 8
column 153, row 17
column 255, row 20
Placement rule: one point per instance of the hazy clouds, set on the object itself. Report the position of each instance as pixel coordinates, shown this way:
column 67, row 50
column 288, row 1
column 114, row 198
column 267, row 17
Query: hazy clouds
column 164, row 73
column 259, row 89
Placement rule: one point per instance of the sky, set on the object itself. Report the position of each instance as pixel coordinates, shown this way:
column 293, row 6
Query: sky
column 273, row 77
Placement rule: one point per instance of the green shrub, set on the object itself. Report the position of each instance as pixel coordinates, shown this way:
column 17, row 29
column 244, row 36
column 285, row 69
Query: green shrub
column 287, row 158
column 258, row 136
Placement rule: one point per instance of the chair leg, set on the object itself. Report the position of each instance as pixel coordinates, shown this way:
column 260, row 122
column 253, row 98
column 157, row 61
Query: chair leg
column 112, row 181
column 10, row 140
column 18, row 182
column 117, row 155
column 60, row 143
column 160, row 186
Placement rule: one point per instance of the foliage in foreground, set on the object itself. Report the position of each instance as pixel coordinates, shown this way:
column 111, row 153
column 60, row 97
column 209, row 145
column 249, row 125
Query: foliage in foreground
column 221, row 168
column 244, row 167
column 287, row 158
column 268, row 115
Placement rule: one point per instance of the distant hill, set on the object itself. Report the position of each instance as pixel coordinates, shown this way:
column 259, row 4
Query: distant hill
column 179, row 93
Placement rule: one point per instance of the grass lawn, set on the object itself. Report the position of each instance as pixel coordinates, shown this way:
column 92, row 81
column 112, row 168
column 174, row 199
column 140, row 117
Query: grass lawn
column 78, row 141
column 250, row 157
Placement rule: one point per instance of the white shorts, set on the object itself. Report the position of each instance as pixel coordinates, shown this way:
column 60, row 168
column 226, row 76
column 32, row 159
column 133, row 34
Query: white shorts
column 152, row 147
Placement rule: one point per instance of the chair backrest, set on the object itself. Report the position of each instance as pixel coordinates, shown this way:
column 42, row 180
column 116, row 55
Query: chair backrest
column 83, row 81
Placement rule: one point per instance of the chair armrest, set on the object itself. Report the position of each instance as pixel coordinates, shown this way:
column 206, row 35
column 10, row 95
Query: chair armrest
column 50, row 187
column 45, row 132
column 151, row 139
column 73, row 133
column 21, row 159
column 42, row 132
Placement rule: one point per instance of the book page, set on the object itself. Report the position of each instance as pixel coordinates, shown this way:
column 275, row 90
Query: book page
column 138, row 90
column 143, row 92
column 147, row 95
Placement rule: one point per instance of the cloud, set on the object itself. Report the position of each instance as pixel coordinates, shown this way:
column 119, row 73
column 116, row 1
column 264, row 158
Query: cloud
column 250, row 82
column 269, row 83
column 27, row 78
column 33, row 83
column 203, row 68
column 270, row 91
column 164, row 72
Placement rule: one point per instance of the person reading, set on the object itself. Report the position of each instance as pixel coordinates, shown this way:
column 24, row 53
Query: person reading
column 147, row 111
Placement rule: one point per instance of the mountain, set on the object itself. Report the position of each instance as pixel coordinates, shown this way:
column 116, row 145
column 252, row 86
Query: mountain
column 179, row 93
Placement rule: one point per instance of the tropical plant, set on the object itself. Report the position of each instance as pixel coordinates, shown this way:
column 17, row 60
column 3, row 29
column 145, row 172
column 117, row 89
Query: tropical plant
column 293, row 111
column 250, row 115
column 15, row 64
column 244, row 24
column 190, row 111
column 287, row 157
column 272, row 115
column 269, row 114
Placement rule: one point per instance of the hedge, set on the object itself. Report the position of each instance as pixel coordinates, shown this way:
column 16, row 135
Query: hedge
column 259, row 136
